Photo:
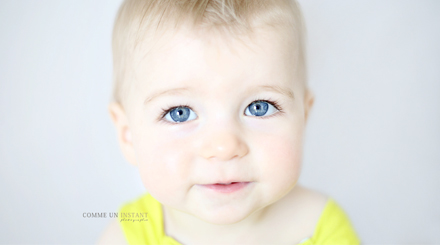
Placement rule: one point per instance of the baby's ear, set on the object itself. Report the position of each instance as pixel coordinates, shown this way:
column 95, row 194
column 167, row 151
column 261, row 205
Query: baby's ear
column 124, row 135
column 309, row 99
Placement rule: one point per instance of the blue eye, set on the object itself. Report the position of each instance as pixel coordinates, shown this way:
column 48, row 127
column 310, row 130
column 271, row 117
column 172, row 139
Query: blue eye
column 180, row 114
column 260, row 108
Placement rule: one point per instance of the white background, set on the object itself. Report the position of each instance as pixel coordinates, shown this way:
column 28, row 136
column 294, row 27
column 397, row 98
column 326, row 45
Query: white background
column 373, row 139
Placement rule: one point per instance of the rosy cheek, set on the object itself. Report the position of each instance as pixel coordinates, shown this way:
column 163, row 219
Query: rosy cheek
column 163, row 165
column 282, row 159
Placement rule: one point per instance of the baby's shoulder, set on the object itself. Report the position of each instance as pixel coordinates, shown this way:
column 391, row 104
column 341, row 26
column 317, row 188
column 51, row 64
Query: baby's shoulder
column 298, row 213
column 307, row 198
column 304, row 203
column 318, row 218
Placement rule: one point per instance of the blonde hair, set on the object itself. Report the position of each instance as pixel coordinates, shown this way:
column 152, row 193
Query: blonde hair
column 138, row 19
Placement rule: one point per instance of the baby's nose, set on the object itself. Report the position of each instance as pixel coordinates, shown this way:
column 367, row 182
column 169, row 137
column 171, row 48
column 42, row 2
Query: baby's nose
column 223, row 146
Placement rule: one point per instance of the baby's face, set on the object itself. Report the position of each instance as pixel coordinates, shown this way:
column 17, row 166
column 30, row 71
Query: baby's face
column 201, row 114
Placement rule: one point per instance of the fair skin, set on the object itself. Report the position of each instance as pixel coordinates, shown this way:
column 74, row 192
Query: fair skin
column 216, row 80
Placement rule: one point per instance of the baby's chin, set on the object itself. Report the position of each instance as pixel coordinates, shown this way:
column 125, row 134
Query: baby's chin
column 224, row 214
column 223, row 217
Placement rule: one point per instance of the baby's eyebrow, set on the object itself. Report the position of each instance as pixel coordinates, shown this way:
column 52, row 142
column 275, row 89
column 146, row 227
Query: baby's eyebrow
column 273, row 88
column 168, row 91
column 285, row 91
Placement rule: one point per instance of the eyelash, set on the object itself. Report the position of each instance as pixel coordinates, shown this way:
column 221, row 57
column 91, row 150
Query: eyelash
column 275, row 104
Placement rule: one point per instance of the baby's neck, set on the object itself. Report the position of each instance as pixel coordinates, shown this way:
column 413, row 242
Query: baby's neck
column 188, row 229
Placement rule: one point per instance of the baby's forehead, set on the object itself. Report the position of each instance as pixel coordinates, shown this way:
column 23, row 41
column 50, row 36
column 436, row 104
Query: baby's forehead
column 213, row 45
column 186, row 53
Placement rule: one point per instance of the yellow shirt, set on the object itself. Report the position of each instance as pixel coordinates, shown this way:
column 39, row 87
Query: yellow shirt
column 333, row 227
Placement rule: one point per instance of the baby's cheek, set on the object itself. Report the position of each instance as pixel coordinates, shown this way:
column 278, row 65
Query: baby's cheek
column 164, row 169
column 281, row 162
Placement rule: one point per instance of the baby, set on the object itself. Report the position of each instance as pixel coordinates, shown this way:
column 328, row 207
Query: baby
column 210, row 103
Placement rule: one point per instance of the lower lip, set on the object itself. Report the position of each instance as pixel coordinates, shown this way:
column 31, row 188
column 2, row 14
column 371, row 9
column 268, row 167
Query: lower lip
column 233, row 187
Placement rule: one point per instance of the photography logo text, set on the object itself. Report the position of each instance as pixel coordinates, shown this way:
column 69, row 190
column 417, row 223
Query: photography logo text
column 122, row 216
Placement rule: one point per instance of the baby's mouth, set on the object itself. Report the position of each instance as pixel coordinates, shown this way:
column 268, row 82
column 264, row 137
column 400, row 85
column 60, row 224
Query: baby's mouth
column 226, row 183
column 228, row 187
